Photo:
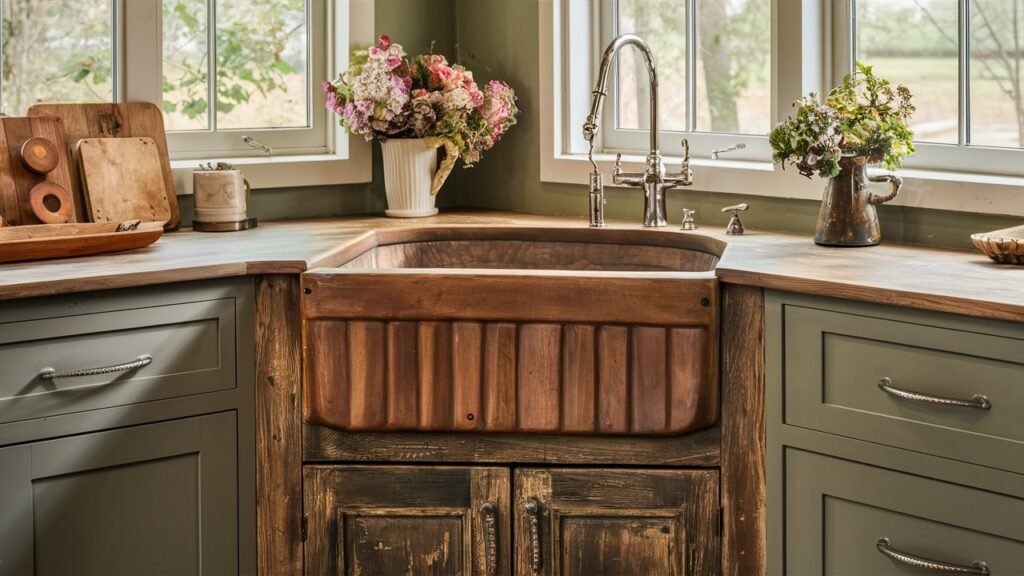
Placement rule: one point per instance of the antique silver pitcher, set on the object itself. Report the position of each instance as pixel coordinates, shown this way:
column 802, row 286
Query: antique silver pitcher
column 848, row 216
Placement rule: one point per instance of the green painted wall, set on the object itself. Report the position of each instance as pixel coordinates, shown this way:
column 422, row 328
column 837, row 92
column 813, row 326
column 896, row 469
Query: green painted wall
column 503, row 35
column 416, row 24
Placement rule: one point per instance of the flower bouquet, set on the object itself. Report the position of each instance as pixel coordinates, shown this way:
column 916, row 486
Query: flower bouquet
column 415, row 105
column 865, row 120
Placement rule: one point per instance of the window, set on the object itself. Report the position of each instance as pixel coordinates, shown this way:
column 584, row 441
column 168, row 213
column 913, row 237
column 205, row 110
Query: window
column 714, row 71
column 963, row 60
column 235, row 67
column 220, row 69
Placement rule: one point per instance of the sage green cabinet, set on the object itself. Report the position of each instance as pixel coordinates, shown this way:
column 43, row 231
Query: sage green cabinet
column 837, row 512
column 893, row 439
column 143, row 469
column 153, row 499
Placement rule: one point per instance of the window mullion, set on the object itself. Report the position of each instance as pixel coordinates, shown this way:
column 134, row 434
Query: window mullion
column 691, row 65
column 211, row 63
column 964, row 71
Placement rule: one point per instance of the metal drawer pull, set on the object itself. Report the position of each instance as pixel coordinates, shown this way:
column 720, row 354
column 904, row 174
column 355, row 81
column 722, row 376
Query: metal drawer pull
column 977, row 401
column 884, row 546
column 533, row 520
column 489, row 517
column 51, row 373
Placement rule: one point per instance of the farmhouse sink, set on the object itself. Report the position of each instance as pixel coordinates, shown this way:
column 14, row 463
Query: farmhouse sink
column 534, row 330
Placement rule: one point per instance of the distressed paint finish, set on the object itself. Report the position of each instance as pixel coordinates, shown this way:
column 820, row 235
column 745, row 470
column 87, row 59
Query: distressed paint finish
column 407, row 520
column 621, row 522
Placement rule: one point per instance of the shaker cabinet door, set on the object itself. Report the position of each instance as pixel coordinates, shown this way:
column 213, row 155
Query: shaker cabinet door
column 616, row 522
column 402, row 520
column 154, row 499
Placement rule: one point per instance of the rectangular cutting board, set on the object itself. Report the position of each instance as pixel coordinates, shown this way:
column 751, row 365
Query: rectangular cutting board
column 123, row 120
column 122, row 179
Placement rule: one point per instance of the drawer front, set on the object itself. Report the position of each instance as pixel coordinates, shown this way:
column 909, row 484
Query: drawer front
column 837, row 512
column 191, row 344
column 836, row 360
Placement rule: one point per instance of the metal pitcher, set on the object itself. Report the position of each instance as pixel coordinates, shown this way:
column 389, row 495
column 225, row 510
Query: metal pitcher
column 848, row 216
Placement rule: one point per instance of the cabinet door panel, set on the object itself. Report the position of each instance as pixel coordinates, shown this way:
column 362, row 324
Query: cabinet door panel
column 616, row 522
column 155, row 499
column 390, row 521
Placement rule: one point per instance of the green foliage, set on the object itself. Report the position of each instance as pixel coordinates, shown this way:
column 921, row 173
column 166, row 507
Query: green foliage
column 249, row 52
column 864, row 116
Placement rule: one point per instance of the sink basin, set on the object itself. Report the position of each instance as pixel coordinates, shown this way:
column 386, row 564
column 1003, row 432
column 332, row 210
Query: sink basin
column 545, row 249
column 528, row 330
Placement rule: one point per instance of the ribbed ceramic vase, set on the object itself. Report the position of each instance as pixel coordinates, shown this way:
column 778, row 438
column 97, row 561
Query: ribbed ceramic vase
column 409, row 168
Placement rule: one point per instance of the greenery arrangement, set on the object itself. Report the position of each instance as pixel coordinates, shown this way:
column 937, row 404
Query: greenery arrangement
column 387, row 94
column 863, row 116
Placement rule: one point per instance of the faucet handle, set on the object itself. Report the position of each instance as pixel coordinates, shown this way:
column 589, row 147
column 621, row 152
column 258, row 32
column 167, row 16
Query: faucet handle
column 735, row 226
column 684, row 170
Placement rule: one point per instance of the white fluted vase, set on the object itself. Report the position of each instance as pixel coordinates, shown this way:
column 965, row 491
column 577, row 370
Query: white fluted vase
column 409, row 168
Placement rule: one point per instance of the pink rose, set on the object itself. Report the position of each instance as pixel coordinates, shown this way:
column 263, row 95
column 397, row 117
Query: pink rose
column 384, row 41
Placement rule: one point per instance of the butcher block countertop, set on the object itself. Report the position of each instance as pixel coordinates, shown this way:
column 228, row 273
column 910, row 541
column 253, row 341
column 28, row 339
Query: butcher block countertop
column 959, row 282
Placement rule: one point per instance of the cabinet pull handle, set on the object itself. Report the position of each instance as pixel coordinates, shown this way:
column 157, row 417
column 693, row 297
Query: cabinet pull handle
column 489, row 518
column 52, row 373
column 884, row 546
column 977, row 401
column 533, row 520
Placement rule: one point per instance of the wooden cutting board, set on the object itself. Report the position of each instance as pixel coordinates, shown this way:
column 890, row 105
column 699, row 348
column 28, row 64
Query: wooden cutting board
column 18, row 177
column 124, row 120
column 122, row 179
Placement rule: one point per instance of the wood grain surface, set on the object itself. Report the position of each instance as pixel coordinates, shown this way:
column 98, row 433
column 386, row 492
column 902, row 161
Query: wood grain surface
column 278, row 426
column 744, row 545
column 46, row 241
column 122, row 179
column 943, row 280
column 121, row 120
column 18, row 177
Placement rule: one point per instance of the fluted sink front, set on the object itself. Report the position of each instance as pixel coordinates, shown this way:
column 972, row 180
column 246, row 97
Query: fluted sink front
column 574, row 331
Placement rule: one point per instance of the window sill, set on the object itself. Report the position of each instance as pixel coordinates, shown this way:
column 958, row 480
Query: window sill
column 937, row 190
column 284, row 171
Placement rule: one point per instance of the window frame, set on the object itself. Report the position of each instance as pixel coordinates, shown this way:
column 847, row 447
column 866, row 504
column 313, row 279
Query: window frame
column 701, row 143
column 332, row 156
column 962, row 156
column 804, row 59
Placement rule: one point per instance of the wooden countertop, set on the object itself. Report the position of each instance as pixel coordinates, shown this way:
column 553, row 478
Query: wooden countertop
column 950, row 281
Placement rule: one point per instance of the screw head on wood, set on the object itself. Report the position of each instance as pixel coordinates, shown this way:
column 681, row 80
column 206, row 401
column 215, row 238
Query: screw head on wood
column 307, row 290
column 705, row 302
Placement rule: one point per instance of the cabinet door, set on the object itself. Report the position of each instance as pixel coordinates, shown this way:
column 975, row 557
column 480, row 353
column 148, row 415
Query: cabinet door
column 616, row 522
column 154, row 499
column 400, row 520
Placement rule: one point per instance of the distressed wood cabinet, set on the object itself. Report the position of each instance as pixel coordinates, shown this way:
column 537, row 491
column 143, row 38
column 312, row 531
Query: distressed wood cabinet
column 616, row 522
column 384, row 520
column 460, row 521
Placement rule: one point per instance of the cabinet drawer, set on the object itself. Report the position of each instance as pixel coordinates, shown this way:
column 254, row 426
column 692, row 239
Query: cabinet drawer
column 835, row 360
column 837, row 512
column 191, row 344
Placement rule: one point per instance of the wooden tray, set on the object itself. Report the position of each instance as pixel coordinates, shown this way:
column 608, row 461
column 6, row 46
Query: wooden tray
column 1004, row 246
column 125, row 120
column 22, row 243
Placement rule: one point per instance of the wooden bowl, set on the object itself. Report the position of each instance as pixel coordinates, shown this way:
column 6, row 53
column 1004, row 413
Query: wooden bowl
column 1004, row 246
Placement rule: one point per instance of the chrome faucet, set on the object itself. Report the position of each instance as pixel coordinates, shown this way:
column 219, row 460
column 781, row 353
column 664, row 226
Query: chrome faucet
column 653, row 180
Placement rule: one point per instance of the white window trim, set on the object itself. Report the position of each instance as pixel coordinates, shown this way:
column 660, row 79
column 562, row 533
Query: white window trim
column 802, row 61
column 348, row 158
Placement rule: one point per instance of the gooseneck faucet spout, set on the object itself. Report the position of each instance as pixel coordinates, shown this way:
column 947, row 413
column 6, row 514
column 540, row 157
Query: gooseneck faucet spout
column 653, row 180
column 600, row 91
